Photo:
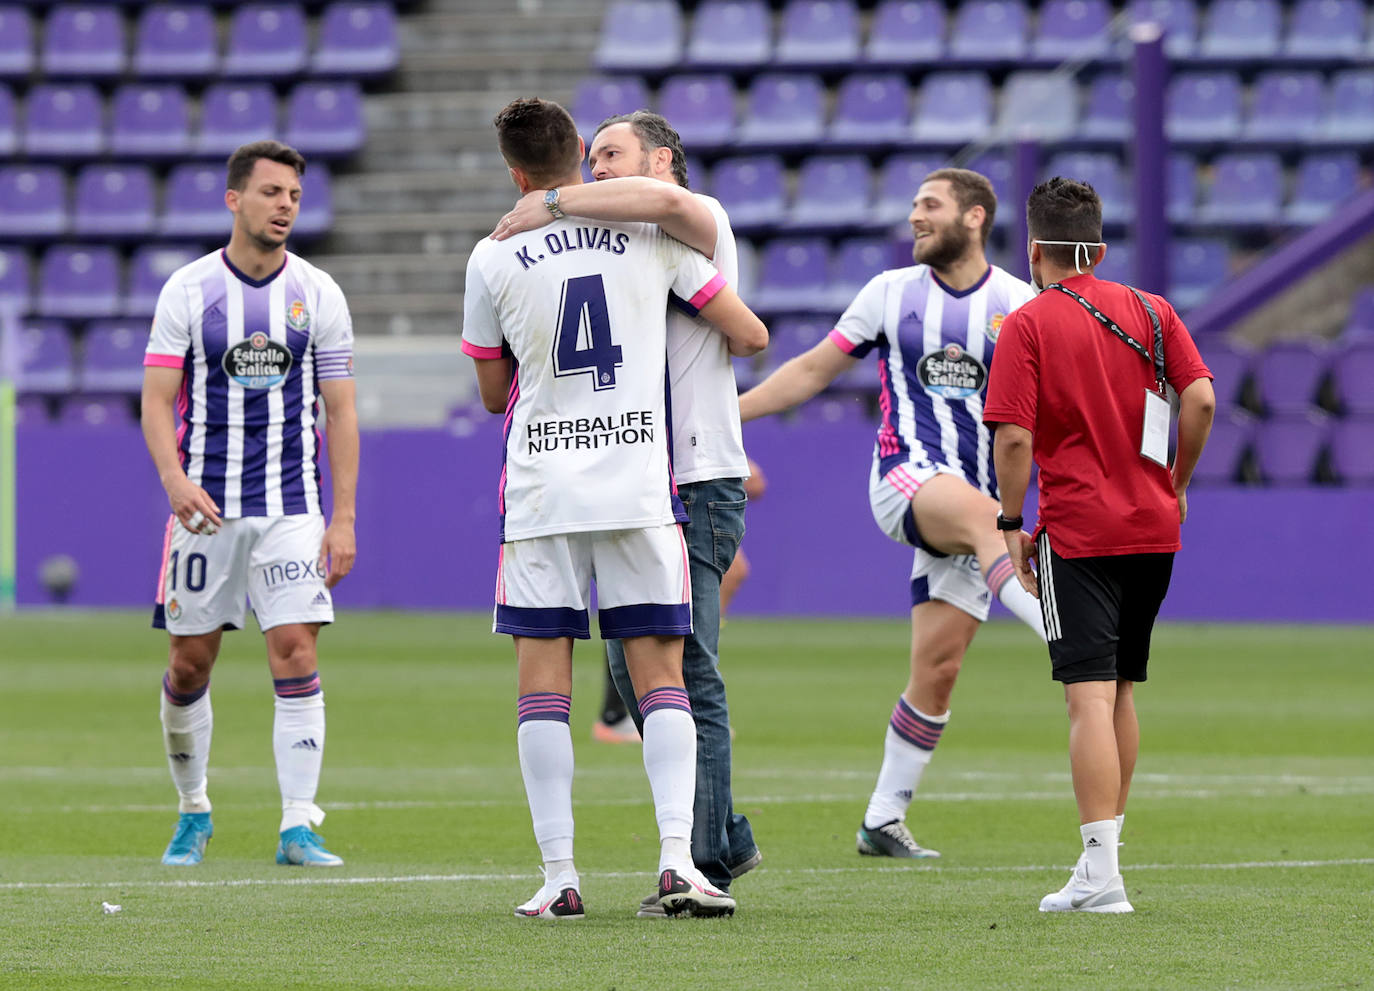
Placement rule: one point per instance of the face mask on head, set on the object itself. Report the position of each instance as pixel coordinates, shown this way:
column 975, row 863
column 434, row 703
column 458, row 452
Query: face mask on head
column 1085, row 245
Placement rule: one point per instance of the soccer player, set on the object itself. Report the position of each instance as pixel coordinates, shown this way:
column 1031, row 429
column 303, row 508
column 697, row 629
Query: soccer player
column 245, row 342
column 641, row 172
column 587, row 492
column 933, row 326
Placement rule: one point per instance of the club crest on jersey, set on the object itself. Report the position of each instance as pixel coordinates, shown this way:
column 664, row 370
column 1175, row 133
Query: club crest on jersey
column 951, row 373
column 994, row 327
column 257, row 363
column 298, row 317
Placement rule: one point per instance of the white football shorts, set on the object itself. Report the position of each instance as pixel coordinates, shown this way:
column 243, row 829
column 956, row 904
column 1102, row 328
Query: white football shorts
column 271, row 560
column 543, row 584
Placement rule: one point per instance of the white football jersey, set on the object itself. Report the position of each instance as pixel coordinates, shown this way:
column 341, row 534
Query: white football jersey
column 580, row 307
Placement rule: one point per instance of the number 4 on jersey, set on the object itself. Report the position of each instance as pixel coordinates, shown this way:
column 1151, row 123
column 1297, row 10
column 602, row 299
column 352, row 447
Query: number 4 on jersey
column 583, row 344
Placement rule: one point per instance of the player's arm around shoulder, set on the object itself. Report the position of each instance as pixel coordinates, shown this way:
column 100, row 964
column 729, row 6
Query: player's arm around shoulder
column 746, row 333
column 339, row 548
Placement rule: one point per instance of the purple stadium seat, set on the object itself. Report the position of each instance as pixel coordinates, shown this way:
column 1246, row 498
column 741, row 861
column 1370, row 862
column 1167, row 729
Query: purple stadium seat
column 1226, row 445
column 792, row 336
column 9, row 122
column 953, row 108
column 640, row 35
column 46, row 362
column 1107, row 114
column 33, row 201
column 64, row 120
column 150, row 121
column 1247, row 29
column 901, row 176
column 599, row 97
column 112, row 356
column 357, row 39
column 819, row 34
column 15, row 279
column 1352, row 451
column 325, row 119
column 1245, row 189
column 904, row 32
column 317, row 203
column 785, row 110
column 266, row 41
column 176, row 41
column 30, row 410
column 1038, row 105
column 96, row 411
column 149, row 268
column 1196, row 267
column 193, row 203
column 234, row 114
column 1286, row 106
column 1350, row 106
column 832, row 193
column 1177, row 17
column 78, row 281
column 990, row 30
column 730, row 33
column 1230, row 366
column 1072, row 29
column 998, row 169
column 1289, row 374
column 855, row 262
column 1118, row 265
column 16, row 42
column 871, row 109
column 1324, row 180
column 1352, row 376
column 1102, row 171
column 1203, row 106
column 751, row 189
column 698, row 178
column 701, row 107
column 114, row 202
column 1181, row 205
column 1328, row 29
column 84, row 40
column 792, row 275
column 1288, row 448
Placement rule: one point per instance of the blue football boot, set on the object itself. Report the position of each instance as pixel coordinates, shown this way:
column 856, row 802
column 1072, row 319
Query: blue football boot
column 188, row 841
column 300, row 845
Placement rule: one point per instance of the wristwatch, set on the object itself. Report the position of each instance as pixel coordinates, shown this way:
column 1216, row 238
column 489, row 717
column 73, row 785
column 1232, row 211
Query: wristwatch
column 551, row 201
column 1009, row 524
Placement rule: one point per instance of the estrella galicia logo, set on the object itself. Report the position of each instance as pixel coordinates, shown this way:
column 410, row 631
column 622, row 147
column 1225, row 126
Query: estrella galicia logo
column 951, row 373
column 257, row 363
column 298, row 317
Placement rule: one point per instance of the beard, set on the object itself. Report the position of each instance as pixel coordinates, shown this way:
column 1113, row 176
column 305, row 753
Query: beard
column 943, row 248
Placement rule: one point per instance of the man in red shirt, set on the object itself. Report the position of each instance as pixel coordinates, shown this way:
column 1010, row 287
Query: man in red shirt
column 1078, row 384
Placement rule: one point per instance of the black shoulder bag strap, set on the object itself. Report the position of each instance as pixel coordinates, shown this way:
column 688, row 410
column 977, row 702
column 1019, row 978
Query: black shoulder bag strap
column 1156, row 360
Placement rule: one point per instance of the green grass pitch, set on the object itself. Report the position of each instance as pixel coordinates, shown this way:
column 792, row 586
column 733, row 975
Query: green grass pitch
column 1249, row 849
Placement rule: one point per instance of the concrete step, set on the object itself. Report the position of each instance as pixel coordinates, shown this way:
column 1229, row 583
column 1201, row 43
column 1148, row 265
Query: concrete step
column 426, row 274
column 571, row 32
column 454, row 190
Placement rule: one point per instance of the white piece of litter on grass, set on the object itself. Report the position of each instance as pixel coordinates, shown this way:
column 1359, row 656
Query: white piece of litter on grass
column 109, row 909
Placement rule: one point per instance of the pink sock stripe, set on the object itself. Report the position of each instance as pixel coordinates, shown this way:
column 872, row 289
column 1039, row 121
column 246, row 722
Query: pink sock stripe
column 914, row 729
column 178, row 698
column 543, row 705
column 665, row 698
column 1000, row 573
column 297, row 688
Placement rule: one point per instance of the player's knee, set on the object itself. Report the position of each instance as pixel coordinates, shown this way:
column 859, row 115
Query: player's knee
column 188, row 667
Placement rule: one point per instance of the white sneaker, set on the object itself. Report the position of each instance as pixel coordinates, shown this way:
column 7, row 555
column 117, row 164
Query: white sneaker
column 685, row 891
column 1084, row 895
column 557, row 899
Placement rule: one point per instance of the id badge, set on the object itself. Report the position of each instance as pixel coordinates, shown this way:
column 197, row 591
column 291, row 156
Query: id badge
column 1154, row 437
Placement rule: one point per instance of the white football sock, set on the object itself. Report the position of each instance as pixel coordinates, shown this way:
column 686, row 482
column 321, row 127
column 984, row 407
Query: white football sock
column 1099, row 850
column 546, row 764
column 898, row 778
column 186, row 732
column 1120, row 827
column 298, row 743
column 1023, row 606
column 670, row 759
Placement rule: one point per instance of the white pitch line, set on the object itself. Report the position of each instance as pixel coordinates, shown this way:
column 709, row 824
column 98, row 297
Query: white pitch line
column 781, row 871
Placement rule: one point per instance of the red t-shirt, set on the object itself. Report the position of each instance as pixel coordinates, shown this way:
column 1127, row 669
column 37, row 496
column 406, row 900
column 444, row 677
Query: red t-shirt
column 1080, row 390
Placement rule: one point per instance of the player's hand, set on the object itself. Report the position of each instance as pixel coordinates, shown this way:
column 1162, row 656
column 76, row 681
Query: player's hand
column 1182, row 504
column 338, row 550
column 1021, row 549
column 529, row 214
column 193, row 505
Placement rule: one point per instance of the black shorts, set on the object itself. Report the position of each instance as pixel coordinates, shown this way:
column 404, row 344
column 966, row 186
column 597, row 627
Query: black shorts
column 1100, row 611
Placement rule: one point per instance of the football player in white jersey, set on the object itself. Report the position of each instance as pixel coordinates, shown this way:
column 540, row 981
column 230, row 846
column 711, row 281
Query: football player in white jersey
column 567, row 328
column 245, row 342
column 641, row 172
column 933, row 326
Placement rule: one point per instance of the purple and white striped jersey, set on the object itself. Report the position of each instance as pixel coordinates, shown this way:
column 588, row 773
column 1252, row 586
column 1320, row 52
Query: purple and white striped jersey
column 934, row 349
column 252, row 352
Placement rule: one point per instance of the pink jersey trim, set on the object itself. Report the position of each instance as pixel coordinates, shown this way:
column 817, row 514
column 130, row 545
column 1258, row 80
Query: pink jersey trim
column 164, row 360
column 475, row 351
column 707, row 292
column 841, row 342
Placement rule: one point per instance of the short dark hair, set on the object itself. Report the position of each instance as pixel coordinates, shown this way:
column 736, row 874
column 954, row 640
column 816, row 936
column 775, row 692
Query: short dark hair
column 243, row 159
column 653, row 131
column 970, row 189
column 539, row 138
column 1064, row 210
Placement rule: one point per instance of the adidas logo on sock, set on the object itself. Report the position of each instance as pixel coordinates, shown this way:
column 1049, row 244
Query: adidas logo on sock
column 1092, row 842
column 904, row 794
column 179, row 758
column 320, row 599
column 307, row 744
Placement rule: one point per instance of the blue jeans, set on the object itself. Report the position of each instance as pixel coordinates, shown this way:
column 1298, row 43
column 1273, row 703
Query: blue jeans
column 721, row 838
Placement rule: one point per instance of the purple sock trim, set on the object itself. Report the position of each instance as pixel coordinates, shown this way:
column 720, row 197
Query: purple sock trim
column 665, row 698
column 297, row 688
column 543, row 705
column 914, row 728
column 176, row 698
column 1001, row 572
